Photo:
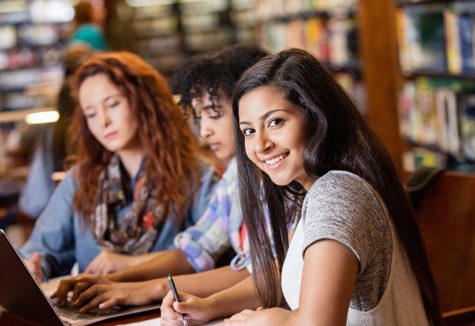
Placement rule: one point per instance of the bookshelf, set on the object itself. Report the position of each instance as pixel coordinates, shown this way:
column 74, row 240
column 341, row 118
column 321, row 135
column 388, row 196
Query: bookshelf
column 165, row 33
column 327, row 29
column 437, row 99
column 396, row 81
column 31, row 40
column 447, row 206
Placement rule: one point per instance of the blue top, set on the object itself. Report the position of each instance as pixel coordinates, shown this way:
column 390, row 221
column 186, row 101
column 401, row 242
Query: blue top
column 39, row 185
column 62, row 239
column 91, row 35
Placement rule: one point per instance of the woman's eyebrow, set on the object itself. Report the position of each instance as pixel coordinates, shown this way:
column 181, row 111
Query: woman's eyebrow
column 262, row 117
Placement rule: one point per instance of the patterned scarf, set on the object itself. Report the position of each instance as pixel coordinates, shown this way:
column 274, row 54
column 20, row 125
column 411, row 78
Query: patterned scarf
column 135, row 232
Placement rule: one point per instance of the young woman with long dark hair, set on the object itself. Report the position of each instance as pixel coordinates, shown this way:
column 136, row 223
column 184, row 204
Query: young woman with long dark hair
column 356, row 256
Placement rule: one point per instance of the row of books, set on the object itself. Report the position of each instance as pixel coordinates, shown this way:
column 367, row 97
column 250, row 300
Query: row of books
column 32, row 37
column 332, row 38
column 184, row 28
column 26, row 58
column 437, row 37
column 23, row 89
column 280, row 8
column 355, row 88
column 333, row 41
column 29, row 35
column 421, row 156
column 460, row 34
column 36, row 11
column 439, row 114
column 17, row 101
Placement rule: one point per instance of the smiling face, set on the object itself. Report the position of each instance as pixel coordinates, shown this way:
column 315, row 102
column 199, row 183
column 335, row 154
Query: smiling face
column 108, row 114
column 274, row 135
column 216, row 124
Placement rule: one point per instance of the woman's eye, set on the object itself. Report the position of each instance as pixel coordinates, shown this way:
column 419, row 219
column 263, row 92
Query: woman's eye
column 89, row 113
column 212, row 113
column 275, row 122
column 114, row 104
column 215, row 115
column 247, row 132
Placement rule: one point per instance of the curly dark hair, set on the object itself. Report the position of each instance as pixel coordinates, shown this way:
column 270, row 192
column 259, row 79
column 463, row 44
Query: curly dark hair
column 215, row 73
column 172, row 150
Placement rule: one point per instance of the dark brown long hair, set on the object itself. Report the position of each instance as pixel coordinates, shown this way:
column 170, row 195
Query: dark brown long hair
column 338, row 139
column 170, row 147
column 83, row 13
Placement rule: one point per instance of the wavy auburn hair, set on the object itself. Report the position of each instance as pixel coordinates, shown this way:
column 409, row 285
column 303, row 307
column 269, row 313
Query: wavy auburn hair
column 338, row 138
column 170, row 147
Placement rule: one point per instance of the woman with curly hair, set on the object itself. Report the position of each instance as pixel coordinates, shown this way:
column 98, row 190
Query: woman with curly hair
column 138, row 179
column 205, row 84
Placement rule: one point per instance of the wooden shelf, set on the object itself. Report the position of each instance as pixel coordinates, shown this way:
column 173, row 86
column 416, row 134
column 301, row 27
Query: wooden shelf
column 445, row 217
column 437, row 74
column 426, row 2
column 324, row 14
column 353, row 68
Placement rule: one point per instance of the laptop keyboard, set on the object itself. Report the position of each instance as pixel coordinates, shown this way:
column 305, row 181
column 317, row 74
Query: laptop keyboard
column 72, row 312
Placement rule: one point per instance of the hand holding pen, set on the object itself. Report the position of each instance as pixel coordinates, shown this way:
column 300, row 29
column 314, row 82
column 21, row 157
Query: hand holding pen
column 175, row 295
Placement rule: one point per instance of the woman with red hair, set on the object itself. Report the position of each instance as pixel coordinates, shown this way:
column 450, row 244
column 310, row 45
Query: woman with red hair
column 139, row 177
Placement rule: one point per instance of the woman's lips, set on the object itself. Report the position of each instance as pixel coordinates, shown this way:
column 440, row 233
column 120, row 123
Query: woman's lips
column 110, row 135
column 214, row 146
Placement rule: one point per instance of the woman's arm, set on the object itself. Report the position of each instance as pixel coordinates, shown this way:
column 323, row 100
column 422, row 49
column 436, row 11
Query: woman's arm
column 239, row 297
column 92, row 291
column 109, row 262
column 53, row 234
column 162, row 264
column 328, row 280
column 207, row 283
column 222, row 304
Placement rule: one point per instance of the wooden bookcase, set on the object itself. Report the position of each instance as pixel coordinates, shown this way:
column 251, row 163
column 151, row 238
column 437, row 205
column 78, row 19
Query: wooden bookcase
column 446, row 214
column 381, row 72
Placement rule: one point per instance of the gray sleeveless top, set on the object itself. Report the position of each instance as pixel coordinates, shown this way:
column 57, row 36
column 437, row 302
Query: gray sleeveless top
column 343, row 207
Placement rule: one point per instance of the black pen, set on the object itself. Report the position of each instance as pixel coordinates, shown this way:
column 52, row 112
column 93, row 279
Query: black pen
column 175, row 295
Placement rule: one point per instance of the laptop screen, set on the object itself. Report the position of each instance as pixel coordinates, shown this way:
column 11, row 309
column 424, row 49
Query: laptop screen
column 20, row 293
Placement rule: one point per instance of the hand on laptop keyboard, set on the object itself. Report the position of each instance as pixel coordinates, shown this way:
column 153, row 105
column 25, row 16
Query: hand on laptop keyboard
column 68, row 309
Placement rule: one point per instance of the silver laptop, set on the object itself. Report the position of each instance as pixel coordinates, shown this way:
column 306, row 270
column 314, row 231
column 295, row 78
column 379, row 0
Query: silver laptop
column 21, row 294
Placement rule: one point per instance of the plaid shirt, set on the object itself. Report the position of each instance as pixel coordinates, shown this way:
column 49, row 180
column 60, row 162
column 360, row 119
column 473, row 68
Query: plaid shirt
column 219, row 228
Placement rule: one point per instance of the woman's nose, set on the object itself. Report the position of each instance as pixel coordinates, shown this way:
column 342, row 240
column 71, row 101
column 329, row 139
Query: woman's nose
column 262, row 142
column 104, row 118
column 205, row 130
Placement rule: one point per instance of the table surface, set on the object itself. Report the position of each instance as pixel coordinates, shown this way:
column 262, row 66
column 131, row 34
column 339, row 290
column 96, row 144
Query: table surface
column 8, row 318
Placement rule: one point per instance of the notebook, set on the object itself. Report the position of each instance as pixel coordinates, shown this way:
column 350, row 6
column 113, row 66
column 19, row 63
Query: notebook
column 22, row 295
column 156, row 322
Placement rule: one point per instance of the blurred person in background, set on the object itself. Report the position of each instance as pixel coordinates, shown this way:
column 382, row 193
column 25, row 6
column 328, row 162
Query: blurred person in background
column 87, row 25
column 55, row 143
